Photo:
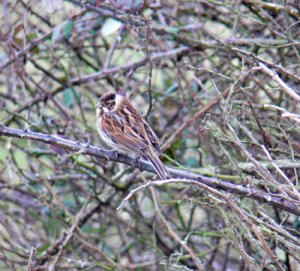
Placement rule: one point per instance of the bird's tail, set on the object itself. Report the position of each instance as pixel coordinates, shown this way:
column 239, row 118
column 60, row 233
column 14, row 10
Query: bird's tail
column 159, row 167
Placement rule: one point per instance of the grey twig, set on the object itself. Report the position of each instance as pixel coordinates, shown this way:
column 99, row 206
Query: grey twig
column 289, row 91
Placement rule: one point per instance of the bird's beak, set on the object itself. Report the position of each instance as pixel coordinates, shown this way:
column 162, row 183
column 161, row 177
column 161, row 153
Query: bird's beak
column 97, row 105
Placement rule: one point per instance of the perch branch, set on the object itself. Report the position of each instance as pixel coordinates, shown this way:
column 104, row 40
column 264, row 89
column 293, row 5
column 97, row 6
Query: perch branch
column 272, row 199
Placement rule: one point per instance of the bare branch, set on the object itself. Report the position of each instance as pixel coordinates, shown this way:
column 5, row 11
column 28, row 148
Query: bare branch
column 290, row 92
column 144, row 165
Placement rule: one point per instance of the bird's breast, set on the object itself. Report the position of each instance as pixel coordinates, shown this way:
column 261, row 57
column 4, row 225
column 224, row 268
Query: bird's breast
column 103, row 134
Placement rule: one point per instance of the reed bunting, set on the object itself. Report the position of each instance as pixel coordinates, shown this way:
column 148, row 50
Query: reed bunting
column 122, row 127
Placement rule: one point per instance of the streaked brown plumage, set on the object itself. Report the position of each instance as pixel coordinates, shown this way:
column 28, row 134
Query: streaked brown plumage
column 122, row 127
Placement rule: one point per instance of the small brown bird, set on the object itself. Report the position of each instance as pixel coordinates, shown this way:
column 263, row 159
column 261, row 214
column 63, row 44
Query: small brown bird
column 122, row 127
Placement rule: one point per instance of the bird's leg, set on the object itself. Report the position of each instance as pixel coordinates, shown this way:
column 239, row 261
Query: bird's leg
column 138, row 159
column 116, row 154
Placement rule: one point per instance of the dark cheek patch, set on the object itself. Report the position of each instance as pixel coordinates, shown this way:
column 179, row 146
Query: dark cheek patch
column 111, row 105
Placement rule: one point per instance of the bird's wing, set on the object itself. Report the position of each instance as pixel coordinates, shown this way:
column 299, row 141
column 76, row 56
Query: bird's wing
column 125, row 131
column 152, row 137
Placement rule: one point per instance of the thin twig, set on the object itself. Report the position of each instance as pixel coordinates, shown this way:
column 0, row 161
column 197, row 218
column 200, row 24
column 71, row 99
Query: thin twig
column 290, row 92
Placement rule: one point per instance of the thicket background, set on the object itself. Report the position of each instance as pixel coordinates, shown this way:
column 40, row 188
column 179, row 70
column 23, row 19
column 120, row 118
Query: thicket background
column 219, row 83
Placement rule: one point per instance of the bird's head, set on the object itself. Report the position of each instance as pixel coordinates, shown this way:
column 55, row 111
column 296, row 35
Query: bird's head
column 107, row 102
